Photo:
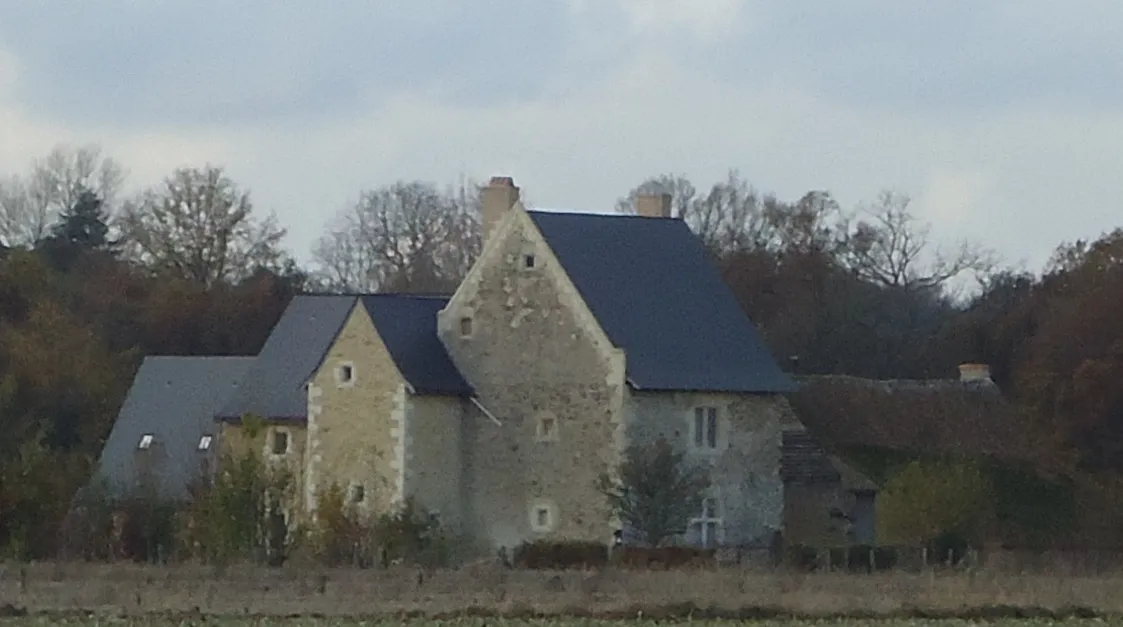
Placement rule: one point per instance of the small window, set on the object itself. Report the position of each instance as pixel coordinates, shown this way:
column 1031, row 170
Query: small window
column 435, row 518
column 358, row 493
column 145, row 442
column 205, row 443
column 529, row 261
column 345, row 374
column 280, row 442
column 547, row 429
column 543, row 517
column 705, row 427
column 465, row 327
column 707, row 529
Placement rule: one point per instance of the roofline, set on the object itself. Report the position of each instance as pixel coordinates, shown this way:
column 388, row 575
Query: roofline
column 334, row 336
column 638, row 388
column 285, row 419
column 596, row 214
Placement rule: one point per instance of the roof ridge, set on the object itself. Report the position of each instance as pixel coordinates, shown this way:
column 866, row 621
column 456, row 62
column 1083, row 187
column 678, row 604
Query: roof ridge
column 409, row 295
column 613, row 214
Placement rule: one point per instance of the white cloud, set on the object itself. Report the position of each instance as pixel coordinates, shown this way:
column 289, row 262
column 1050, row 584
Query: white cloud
column 705, row 19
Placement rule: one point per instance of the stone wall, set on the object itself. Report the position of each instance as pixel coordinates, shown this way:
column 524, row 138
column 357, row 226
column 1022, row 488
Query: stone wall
column 545, row 370
column 434, row 460
column 234, row 439
column 355, row 427
column 745, row 462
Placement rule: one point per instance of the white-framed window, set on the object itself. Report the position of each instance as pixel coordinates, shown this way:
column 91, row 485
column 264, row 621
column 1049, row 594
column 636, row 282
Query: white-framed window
column 145, row 441
column 707, row 528
column 546, row 428
column 205, row 443
column 345, row 374
column 279, row 441
column 704, row 428
column 543, row 516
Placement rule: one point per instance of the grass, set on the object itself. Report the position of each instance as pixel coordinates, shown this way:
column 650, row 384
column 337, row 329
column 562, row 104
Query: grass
column 68, row 594
column 520, row 622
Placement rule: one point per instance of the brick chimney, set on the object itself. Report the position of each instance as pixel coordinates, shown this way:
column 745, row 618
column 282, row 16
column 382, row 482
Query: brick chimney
column 497, row 198
column 653, row 205
column 974, row 372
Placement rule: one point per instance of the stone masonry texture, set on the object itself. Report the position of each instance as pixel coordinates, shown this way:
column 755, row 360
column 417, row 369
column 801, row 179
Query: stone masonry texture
column 352, row 437
column 745, row 466
column 533, row 354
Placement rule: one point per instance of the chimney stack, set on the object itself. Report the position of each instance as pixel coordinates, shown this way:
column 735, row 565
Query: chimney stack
column 974, row 372
column 653, row 205
column 497, row 198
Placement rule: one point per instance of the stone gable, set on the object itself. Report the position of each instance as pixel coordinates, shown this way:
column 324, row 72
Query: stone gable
column 546, row 372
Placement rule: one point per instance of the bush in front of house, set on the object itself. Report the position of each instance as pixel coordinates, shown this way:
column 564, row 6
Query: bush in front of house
column 545, row 555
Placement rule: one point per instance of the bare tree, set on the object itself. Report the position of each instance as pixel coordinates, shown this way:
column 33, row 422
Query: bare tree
column 892, row 249
column 30, row 205
column 732, row 216
column 198, row 225
column 406, row 237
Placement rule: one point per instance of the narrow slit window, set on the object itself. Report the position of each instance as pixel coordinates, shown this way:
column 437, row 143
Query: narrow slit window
column 465, row 327
column 529, row 261
column 280, row 442
column 346, row 373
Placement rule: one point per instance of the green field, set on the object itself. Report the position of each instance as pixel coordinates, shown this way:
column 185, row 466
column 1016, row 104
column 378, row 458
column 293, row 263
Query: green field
column 545, row 622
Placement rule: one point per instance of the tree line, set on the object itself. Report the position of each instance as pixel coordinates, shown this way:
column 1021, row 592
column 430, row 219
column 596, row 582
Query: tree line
column 92, row 279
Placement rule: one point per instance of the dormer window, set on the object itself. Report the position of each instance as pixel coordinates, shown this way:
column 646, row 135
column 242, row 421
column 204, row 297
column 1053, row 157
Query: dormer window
column 145, row 442
column 204, row 443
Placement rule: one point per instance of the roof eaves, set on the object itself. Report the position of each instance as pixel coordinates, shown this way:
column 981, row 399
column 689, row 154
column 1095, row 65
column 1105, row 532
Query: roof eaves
column 335, row 336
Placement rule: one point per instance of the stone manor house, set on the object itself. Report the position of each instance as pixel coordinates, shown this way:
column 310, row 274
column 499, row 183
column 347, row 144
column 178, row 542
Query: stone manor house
column 497, row 407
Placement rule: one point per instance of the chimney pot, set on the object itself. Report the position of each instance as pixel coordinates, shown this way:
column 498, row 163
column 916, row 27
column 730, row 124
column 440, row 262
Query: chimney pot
column 497, row 198
column 974, row 372
column 654, row 205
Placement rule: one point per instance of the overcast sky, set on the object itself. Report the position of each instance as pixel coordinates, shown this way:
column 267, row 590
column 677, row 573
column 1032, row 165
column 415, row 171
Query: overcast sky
column 1003, row 119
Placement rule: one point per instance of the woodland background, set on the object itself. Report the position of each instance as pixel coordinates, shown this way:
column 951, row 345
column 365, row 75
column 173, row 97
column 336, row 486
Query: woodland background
column 91, row 281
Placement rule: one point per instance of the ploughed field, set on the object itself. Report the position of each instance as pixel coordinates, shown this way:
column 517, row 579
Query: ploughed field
column 105, row 621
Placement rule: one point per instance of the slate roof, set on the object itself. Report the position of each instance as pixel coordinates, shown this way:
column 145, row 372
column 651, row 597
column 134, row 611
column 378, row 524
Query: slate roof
column 917, row 416
column 407, row 325
column 174, row 399
column 274, row 387
column 656, row 293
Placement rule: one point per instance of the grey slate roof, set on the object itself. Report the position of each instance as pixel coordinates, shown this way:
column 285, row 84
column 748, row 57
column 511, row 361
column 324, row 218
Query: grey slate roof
column 407, row 325
column 653, row 288
column 174, row 399
column 274, row 387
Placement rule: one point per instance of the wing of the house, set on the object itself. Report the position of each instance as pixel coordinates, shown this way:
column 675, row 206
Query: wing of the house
column 657, row 293
column 386, row 406
column 856, row 425
column 274, row 387
column 165, row 433
column 585, row 332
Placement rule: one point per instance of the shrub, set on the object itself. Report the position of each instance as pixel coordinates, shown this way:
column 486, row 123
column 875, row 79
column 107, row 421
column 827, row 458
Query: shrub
column 543, row 555
column 654, row 491
column 238, row 513
column 928, row 500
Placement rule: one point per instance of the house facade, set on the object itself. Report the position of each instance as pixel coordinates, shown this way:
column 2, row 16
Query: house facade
column 499, row 406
